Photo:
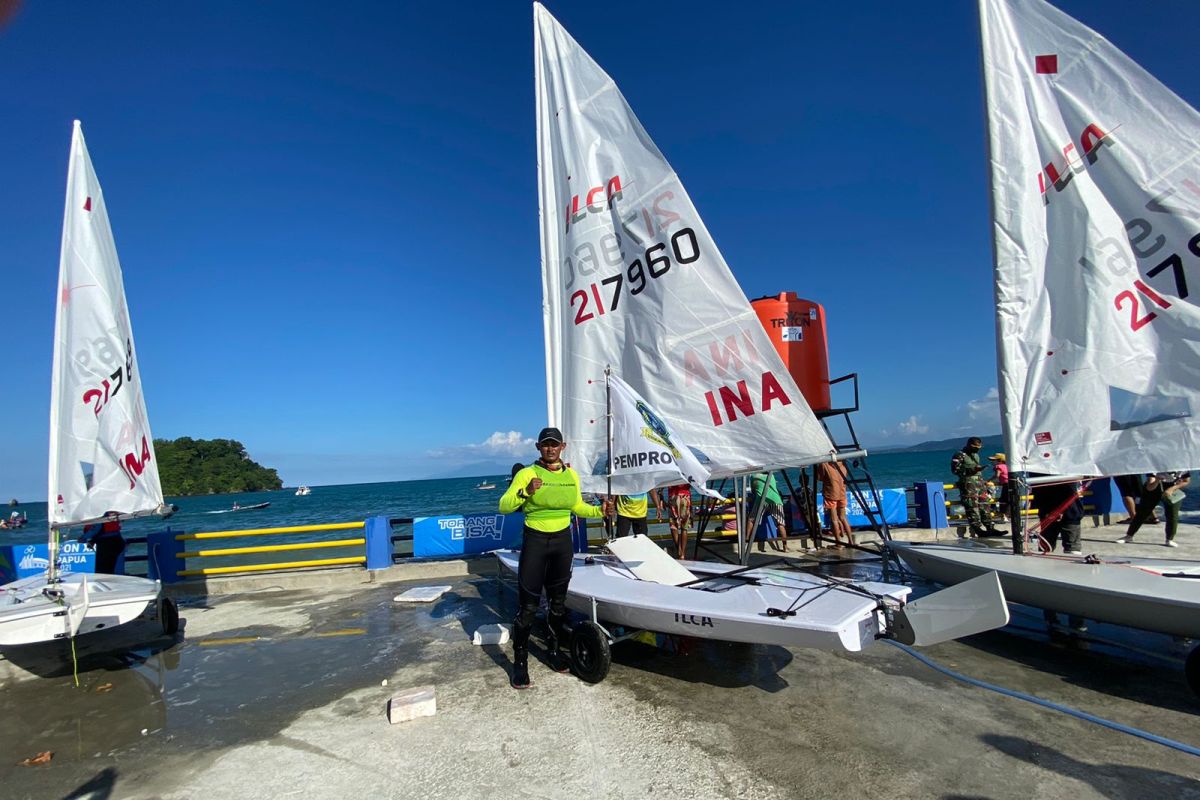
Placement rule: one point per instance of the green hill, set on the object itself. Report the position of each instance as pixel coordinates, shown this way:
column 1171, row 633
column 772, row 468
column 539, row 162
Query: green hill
column 210, row 466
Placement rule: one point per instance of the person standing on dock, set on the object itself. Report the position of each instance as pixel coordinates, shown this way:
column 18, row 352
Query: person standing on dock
column 764, row 490
column 632, row 510
column 971, row 489
column 832, row 475
column 106, row 538
column 1000, row 476
column 547, row 492
column 1164, row 487
column 679, row 513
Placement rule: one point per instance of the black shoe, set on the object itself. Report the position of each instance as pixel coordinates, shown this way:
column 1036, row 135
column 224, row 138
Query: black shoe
column 557, row 660
column 995, row 532
column 520, row 671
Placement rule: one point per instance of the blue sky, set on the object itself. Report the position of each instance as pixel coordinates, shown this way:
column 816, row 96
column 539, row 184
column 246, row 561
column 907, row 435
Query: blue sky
column 327, row 212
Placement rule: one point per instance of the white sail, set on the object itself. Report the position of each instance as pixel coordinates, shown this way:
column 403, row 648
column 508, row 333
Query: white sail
column 1096, row 208
column 647, row 453
column 632, row 279
column 101, row 449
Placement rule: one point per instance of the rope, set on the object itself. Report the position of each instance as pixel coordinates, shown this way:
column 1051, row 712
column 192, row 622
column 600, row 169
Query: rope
column 74, row 663
column 1072, row 712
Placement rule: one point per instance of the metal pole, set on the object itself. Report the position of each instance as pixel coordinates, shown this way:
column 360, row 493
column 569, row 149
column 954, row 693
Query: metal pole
column 608, row 523
column 1016, row 510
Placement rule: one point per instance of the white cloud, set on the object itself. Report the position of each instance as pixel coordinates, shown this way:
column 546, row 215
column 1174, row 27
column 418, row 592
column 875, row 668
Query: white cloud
column 986, row 407
column 912, row 425
column 500, row 443
column 511, row 443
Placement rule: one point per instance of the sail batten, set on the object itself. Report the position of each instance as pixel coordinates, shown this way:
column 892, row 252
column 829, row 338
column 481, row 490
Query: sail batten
column 632, row 279
column 1094, row 178
column 101, row 448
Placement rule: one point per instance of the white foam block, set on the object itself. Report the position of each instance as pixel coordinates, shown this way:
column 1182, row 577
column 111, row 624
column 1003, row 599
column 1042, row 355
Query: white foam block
column 490, row 634
column 412, row 703
column 421, row 594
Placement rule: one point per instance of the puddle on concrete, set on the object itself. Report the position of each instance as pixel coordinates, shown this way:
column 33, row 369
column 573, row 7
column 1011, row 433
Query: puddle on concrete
column 229, row 687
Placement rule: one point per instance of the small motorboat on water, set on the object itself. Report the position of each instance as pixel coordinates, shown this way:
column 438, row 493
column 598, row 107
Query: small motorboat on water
column 237, row 507
column 486, row 484
column 303, row 491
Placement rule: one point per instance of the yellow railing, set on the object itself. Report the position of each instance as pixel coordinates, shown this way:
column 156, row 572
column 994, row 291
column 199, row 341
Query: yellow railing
column 272, row 548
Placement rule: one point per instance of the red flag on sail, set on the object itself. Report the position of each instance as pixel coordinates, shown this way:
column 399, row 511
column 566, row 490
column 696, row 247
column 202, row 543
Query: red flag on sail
column 1046, row 65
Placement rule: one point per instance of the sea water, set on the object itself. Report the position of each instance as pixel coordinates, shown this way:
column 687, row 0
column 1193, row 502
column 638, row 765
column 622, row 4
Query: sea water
column 419, row 498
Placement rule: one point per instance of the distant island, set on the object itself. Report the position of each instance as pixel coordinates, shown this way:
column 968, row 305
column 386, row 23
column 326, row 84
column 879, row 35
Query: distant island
column 210, row 466
column 991, row 444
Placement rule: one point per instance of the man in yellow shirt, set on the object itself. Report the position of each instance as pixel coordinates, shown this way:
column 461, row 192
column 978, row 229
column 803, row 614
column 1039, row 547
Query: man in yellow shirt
column 632, row 510
column 547, row 491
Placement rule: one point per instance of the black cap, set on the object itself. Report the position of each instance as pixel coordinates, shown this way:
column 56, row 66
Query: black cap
column 550, row 435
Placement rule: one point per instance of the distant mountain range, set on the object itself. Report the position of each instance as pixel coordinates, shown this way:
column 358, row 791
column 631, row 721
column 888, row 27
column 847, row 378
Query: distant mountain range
column 991, row 444
column 483, row 469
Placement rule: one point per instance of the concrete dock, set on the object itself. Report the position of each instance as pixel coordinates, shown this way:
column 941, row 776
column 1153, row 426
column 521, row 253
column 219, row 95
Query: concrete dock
column 275, row 688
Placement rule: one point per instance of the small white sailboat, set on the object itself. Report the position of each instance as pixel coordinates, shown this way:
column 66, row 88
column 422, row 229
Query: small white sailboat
column 303, row 491
column 101, row 449
column 631, row 278
column 486, row 484
column 1095, row 173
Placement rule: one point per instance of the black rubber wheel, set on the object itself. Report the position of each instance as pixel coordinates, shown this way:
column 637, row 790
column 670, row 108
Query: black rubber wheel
column 1191, row 669
column 590, row 654
column 168, row 616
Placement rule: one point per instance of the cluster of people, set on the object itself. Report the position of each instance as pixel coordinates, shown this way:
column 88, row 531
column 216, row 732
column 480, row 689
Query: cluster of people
column 633, row 511
column 1060, row 509
column 15, row 520
column 972, row 486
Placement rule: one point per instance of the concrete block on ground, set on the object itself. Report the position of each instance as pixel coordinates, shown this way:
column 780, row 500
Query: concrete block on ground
column 421, row 594
column 490, row 634
column 412, row 703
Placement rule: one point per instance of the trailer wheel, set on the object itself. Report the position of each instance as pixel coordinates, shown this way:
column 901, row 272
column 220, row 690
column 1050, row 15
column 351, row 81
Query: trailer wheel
column 1191, row 669
column 590, row 653
column 168, row 616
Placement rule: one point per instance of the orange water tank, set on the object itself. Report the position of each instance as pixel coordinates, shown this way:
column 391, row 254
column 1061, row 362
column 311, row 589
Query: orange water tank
column 797, row 329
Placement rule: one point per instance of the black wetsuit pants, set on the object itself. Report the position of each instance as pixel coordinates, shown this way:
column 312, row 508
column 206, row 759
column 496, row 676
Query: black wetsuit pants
column 636, row 524
column 545, row 564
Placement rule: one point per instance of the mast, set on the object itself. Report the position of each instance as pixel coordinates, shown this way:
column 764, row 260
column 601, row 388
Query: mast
column 1016, row 507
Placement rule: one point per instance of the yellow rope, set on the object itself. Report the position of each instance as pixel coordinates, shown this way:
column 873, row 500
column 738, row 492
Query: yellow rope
column 74, row 663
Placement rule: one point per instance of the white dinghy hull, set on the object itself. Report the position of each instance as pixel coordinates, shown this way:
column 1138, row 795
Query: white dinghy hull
column 829, row 617
column 1134, row 592
column 28, row 615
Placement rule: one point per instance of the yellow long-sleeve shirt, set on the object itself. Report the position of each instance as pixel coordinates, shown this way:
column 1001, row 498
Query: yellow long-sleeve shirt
column 549, row 509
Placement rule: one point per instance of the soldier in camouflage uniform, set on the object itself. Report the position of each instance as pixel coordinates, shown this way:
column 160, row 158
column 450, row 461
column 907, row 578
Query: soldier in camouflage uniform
column 971, row 489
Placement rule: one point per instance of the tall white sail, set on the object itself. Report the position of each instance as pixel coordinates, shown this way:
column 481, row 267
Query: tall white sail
column 632, row 279
column 101, row 449
column 1096, row 208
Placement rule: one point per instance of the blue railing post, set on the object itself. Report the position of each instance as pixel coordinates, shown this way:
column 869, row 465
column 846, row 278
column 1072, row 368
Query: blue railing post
column 930, row 500
column 378, row 531
column 162, row 551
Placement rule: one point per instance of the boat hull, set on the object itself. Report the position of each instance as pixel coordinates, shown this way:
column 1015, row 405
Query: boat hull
column 27, row 616
column 1130, row 591
column 827, row 618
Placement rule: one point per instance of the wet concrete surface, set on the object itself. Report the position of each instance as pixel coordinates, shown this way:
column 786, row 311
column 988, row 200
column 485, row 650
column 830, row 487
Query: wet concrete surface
column 278, row 693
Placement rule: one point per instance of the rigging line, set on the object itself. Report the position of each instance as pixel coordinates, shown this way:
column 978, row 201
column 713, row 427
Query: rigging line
column 74, row 663
column 1072, row 712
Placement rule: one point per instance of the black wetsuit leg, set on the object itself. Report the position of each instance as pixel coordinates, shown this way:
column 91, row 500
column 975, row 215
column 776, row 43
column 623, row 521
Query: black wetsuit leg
column 545, row 565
